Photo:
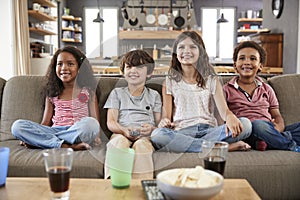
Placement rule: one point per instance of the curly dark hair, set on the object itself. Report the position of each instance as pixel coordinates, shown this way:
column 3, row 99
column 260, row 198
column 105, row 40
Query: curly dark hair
column 250, row 44
column 85, row 77
column 203, row 67
column 138, row 58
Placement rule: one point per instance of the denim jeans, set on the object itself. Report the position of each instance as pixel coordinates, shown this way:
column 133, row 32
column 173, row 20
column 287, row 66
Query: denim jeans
column 287, row 140
column 42, row 136
column 190, row 139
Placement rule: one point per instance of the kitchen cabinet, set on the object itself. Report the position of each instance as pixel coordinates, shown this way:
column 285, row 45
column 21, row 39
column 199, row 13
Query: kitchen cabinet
column 71, row 29
column 273, row 44
column 247, row 26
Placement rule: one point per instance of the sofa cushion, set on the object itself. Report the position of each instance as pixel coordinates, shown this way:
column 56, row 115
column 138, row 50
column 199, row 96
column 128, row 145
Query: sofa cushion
column 25, row 162
column 21, row 100
column 287, row 90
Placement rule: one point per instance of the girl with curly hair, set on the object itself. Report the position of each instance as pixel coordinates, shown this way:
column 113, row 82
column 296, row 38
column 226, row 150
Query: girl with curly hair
column 71, row 114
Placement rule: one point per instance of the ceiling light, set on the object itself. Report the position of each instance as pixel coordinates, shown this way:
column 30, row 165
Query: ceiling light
column 98, row 19
column 222, row 19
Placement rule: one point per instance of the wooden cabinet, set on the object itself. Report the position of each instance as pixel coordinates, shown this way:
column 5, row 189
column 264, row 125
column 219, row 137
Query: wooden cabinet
column 273, row 44
column 71, row 29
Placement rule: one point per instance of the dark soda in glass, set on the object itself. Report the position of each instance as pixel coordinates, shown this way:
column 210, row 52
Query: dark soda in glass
column 215, row 163
column 59, row 179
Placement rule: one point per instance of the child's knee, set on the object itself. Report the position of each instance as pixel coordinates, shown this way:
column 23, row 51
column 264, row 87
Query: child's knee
column 119, row 141
column 93, row 125
column 247, row 126
column 143, row 145
column 16, row 127
column 259, row 125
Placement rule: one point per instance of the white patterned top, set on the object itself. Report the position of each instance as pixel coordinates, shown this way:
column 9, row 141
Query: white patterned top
column 192, row 104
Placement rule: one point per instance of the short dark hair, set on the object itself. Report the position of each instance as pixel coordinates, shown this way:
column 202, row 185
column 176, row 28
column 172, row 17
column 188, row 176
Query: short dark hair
column 250, row 44
column 138, row 58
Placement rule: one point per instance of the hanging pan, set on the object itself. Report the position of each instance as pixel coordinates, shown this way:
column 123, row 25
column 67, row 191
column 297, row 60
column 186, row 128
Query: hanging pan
column 133, row 21
column 150, row 18
column 124, row 11
column 162, row 18
column 179, row 20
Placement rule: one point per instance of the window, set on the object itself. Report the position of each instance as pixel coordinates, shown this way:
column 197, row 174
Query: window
column 101, row 38
column 219, row 38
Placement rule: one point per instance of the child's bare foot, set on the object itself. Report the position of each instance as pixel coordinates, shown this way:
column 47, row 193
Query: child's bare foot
column 28, row 145
column 97, row 141
column 239, row 146
column 77, row 147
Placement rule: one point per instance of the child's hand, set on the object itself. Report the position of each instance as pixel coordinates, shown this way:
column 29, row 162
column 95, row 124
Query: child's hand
column 166, row 123
column 146, row 129
column 234, row 125
column 278, row 126
column 133, row 133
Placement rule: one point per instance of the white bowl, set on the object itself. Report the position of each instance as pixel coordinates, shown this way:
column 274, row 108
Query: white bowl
column 179, row 192
column 44, row 55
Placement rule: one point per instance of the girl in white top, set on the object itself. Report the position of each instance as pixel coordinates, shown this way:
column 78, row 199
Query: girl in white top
column 190, row 93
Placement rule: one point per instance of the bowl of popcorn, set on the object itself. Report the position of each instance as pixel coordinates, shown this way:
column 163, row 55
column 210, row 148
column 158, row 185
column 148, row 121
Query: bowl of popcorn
column 190, row 183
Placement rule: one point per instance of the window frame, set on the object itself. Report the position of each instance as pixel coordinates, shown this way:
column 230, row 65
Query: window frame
column 218, row 33
column 102, row 29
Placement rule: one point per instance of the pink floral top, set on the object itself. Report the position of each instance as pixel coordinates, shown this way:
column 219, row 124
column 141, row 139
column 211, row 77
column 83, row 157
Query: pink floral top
column 67, row 112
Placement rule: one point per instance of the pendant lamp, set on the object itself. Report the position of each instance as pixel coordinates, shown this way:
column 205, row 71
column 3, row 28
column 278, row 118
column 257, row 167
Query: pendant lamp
column 222, row 19
column 98, row 19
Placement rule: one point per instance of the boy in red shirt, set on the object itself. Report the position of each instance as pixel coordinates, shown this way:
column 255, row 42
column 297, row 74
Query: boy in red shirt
column 248, row 96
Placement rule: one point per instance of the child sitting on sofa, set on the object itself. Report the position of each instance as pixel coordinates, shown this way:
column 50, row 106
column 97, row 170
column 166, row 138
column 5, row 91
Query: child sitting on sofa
column 134, row 111
column 71, row 114
column 248, row 96
column 190, row 93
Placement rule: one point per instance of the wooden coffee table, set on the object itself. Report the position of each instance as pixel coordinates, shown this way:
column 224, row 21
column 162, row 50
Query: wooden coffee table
column 38, row 188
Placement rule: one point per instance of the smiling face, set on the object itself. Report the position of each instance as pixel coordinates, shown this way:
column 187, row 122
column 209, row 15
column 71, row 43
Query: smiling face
column 248, row 62
column 135, row 75
column 67, row 68
column 187, row 52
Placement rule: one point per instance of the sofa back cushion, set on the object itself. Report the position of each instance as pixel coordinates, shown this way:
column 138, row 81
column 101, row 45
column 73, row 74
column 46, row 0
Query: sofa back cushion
column 287, row 90
column 21, row 100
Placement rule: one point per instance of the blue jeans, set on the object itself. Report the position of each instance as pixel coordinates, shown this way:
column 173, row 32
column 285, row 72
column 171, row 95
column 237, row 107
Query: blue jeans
column 287, row 140
column 190, row 139
column 42, row 136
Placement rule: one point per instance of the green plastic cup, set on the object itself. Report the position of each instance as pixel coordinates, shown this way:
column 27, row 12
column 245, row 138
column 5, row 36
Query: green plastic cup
column 120, row 163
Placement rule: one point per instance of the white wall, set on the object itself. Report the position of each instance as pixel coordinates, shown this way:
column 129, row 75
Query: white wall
column 6, row 39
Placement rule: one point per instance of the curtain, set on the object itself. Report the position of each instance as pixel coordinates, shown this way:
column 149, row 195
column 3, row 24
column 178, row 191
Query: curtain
column 22, row 44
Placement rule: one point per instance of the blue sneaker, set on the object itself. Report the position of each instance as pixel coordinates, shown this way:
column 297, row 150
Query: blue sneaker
column 297, row 149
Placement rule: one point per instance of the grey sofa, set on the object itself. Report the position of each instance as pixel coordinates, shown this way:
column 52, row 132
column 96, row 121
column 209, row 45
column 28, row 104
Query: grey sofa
column 273, row 174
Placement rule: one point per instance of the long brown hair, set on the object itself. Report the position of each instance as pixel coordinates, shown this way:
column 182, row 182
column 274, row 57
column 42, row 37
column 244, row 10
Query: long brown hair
column 85, row 77
column 203, row 67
